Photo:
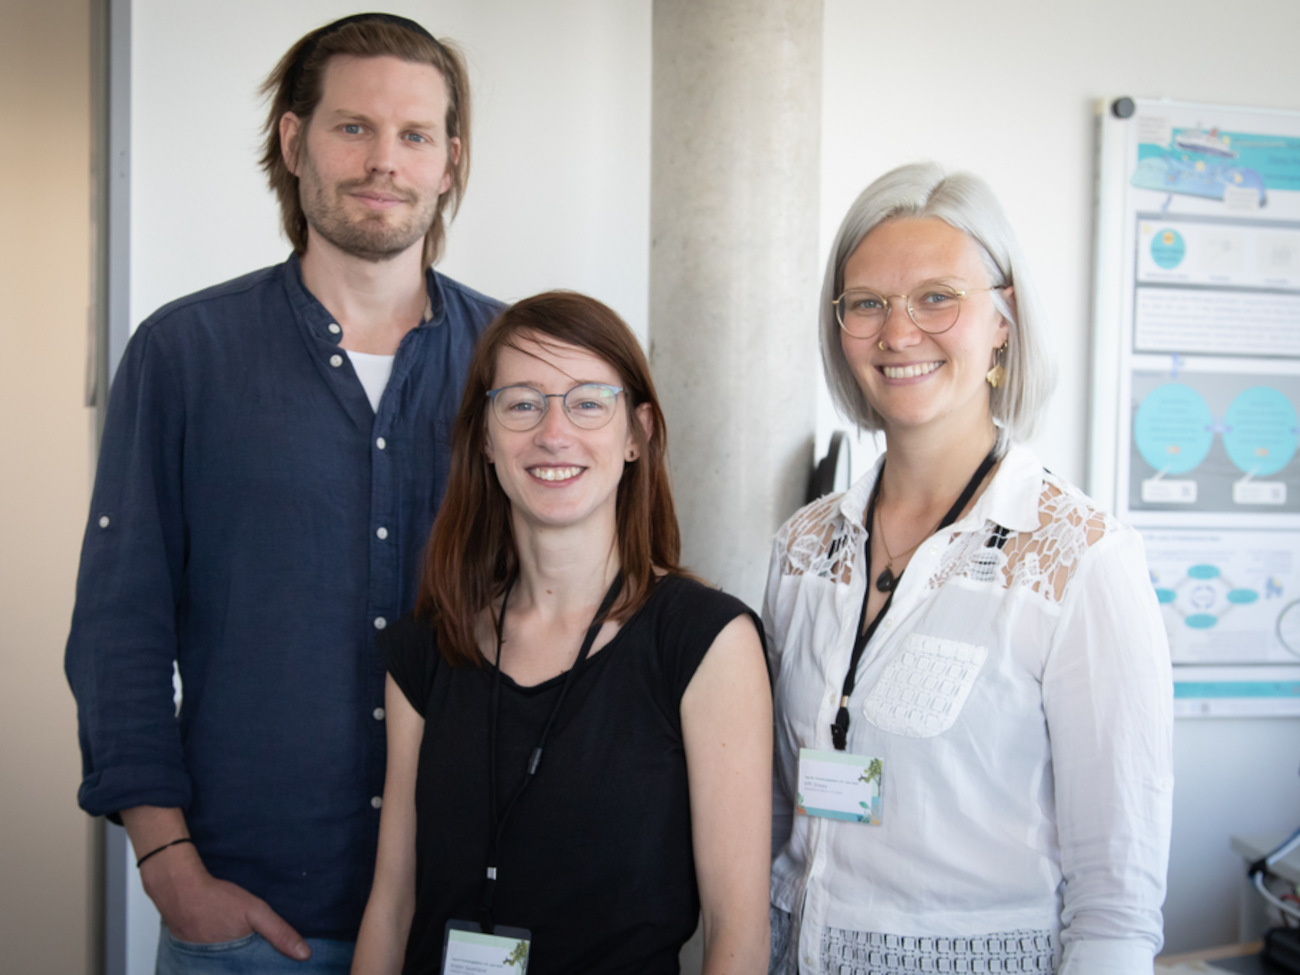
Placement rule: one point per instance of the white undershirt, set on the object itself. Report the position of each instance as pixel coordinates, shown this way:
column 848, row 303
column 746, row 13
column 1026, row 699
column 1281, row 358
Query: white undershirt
column 373, row 371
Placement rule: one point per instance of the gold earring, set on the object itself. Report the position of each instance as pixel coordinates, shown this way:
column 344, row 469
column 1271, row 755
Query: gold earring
column 996, row 376
column 631, row 456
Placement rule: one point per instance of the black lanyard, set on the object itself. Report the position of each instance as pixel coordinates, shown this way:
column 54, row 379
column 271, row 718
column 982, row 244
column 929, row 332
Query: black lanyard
column 486, row 917
column 840, row 727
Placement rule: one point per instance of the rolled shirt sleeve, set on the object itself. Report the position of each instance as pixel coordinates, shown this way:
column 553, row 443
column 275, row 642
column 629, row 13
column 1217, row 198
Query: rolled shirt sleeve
column 122, row 644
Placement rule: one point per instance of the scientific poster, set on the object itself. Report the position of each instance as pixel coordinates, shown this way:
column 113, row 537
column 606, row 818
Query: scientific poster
column 1197, row 371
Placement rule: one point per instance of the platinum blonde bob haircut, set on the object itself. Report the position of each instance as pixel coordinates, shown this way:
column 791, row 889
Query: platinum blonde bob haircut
column 965, row 202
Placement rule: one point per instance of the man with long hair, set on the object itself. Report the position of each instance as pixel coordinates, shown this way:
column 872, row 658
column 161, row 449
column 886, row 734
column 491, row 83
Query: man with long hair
column 274, row 453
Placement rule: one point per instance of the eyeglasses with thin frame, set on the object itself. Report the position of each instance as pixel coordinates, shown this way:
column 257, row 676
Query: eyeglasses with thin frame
column 587, row 405
column 863, row 313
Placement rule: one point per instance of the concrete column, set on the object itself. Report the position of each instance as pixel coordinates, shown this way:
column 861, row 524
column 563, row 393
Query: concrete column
column 736, row 135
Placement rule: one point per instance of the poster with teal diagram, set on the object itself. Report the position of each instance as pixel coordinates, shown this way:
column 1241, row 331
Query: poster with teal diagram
column 1214, row 442
column 1238, row 168
column 1194, row 432
column 1227, row 597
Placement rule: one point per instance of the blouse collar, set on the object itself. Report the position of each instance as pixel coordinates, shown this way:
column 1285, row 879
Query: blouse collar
column 1011, row 500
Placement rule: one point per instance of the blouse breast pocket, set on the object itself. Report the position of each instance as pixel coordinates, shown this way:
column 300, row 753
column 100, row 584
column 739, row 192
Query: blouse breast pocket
column 924, row 687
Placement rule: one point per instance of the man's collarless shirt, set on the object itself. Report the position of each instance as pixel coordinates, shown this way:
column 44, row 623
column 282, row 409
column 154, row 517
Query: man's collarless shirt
column 256, row 521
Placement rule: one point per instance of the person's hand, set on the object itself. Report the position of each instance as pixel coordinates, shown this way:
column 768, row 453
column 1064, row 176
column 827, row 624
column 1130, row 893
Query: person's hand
column 199, row 908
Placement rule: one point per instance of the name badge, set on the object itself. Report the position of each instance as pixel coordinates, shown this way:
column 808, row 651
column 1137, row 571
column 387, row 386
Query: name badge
column 466, row 950
column 839, row 785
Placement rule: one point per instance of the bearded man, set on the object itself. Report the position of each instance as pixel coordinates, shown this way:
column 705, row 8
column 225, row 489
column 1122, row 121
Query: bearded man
column 274, row 452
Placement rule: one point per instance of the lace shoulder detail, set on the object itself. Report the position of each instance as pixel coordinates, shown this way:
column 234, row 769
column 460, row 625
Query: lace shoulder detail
column 817, row 541
column 1043, row 560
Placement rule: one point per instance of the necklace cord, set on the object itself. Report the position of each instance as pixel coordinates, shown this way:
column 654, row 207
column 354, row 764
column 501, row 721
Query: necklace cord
column 487, row 897
column 866, row 630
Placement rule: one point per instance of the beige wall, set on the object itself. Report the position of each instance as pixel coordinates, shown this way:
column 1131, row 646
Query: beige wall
column 45, row 443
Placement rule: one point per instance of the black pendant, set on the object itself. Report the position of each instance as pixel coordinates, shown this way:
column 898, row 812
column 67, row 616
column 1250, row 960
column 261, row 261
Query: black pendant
column 886, row 581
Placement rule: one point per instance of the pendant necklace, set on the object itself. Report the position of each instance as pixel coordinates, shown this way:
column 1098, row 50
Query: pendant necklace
column 886, row 582
column 888, row 578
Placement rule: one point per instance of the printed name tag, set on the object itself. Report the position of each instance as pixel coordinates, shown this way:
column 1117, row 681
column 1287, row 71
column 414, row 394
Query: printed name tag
column 468, row 951
column 839, row 785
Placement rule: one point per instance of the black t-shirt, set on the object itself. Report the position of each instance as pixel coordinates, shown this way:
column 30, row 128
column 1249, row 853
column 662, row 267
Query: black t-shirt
column 596, row 859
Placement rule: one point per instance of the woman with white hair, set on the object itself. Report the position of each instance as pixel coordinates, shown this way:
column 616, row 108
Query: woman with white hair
column 973, row 691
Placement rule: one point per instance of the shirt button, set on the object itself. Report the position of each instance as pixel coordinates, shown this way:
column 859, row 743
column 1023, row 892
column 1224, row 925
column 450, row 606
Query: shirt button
column 336, row 361
column 381, row 443
column 381, row 532
column 378, row 714
column 376, row 802
column 103, row 521
column 380, row 622
column 334, row 328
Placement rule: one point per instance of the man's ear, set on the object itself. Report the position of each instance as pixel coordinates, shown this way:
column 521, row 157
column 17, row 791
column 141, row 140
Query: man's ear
column 453, row 157
column 291, row 130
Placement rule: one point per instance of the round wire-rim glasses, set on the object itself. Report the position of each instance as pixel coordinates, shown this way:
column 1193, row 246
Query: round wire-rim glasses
column 863, row 313
column 587, row 405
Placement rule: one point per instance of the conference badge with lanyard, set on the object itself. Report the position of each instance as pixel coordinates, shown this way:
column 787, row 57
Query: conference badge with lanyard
column 467, row 950
column 483, row 946
column 839, row 784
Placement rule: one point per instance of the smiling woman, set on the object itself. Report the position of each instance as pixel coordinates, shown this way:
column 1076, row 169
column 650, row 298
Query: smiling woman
column 561, row 467
column 926, row 360
column 963, row 644
column 579, row 733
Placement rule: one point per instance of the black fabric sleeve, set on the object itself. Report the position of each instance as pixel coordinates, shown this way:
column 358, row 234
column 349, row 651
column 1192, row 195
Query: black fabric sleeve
column 410, row 651
column 690, row 617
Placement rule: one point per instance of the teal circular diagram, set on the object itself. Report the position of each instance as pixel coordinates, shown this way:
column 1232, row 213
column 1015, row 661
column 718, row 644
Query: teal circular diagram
column 1168, row 248
column 1261, row 432
column 1172, row 429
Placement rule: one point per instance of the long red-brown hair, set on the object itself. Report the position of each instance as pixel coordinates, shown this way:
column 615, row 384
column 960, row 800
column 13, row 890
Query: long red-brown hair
column 471, row 553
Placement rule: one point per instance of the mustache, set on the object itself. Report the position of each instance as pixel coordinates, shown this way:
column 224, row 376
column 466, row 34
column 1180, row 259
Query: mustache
column 381, row 186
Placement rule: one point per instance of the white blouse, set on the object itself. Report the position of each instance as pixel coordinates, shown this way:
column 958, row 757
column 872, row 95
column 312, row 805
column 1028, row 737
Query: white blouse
column 1019, row 696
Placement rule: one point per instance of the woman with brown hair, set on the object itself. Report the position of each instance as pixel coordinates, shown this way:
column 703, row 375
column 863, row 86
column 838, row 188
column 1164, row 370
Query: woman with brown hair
column 579, row 733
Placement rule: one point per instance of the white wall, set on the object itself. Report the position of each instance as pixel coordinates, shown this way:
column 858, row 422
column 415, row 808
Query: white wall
column 560, row 186
column 559, row 190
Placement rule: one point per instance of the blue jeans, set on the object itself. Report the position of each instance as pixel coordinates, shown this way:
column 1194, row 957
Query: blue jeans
column 251, row 955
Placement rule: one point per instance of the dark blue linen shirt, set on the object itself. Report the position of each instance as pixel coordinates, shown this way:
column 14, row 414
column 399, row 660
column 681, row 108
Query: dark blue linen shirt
column 255, row 521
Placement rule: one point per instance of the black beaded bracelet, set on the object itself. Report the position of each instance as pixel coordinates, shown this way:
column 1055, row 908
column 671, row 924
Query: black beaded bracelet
column 183, row 839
